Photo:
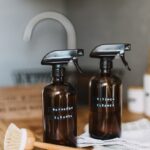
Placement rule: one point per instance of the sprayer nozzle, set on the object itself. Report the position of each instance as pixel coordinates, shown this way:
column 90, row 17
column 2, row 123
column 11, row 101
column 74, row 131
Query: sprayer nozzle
column 110, row 51
column 127, row 47
column 61, row 56
column 80, row 52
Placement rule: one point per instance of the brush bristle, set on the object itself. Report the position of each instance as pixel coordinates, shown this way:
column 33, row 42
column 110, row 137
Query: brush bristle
column 13, row 138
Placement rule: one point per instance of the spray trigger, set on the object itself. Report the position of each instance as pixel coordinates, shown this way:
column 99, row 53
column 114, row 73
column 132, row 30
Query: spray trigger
column 125, row 62
column 75, row 61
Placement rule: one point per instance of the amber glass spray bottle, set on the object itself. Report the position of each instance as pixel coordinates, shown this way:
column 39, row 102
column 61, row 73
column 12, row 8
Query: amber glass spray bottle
column 105, row 94
column 59, row 100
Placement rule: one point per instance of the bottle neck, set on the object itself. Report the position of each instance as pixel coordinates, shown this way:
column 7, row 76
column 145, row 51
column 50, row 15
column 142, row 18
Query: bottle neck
column 58, row 74
column 106, row 66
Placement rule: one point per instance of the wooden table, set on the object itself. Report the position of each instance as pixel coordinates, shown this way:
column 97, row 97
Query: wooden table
column 36, row 124
column 33, row 94
column 83, row 115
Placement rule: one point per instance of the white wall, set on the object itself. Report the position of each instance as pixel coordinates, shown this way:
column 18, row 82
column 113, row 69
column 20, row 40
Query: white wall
column 15, row 54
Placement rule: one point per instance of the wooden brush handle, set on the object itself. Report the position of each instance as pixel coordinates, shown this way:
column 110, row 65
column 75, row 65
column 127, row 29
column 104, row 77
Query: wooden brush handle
column 53, row 146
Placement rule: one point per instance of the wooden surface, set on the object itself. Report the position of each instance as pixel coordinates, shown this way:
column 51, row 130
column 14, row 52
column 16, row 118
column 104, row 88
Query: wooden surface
column 14, row 99
column 36, row 124
column 30, row 96
column 20, row 102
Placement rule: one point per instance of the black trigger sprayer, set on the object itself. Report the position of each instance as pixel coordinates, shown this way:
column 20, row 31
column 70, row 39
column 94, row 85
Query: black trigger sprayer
column 110, row 51
column 105, row 94
column 59, row 99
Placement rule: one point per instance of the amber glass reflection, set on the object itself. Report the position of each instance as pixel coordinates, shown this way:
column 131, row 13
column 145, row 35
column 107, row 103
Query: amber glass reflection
column 105, row 107
column 59, row 114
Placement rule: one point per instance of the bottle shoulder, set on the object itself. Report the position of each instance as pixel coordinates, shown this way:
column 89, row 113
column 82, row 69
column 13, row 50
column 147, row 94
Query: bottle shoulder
column 66, row 87
column 106, row 78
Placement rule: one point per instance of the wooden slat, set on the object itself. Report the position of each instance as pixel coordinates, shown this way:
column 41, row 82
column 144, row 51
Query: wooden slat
column 21, row 102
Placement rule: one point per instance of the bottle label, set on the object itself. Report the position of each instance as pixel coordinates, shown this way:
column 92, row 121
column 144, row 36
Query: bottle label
column 104, row 102
column 60, row 113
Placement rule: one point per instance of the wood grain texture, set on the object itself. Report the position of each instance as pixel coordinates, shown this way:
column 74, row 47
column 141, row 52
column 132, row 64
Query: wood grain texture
column 21, row 102
column 32, row 119
column 36, row 124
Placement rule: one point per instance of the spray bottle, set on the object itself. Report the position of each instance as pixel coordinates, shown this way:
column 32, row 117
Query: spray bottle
column 105, row 94
column 59, row 99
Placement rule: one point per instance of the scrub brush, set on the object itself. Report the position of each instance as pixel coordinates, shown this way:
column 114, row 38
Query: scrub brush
column 24, row 139
column 3, row 128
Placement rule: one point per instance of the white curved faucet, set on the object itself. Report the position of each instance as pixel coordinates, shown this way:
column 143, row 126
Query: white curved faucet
column 71, row 35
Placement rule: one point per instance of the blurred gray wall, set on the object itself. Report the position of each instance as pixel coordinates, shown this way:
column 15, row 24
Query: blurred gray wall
column 109, row 21
column 95, row 21
column 15, row 54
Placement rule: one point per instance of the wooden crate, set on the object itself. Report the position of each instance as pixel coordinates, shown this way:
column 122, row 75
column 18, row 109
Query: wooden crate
column 21, row 102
